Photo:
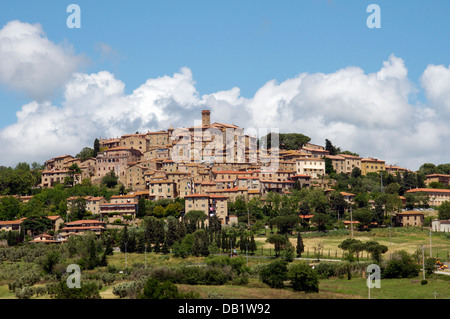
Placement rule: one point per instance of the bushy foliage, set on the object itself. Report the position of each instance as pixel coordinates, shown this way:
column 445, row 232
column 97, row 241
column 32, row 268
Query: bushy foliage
column 402, row 265
column 88, row 290
column 274, row 274
column 303, row 278
column 24, row 292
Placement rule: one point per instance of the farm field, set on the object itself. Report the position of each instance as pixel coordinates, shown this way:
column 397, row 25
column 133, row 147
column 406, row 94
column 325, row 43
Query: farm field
column 333, row 288
column 408, row 239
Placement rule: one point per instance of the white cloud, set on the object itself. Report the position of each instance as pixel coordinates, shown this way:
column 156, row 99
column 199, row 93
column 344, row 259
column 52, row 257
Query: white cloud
column 32, row 64
column 370, row 114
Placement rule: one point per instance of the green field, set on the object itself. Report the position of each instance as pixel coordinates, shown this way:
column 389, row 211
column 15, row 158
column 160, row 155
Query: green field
column 408, row 239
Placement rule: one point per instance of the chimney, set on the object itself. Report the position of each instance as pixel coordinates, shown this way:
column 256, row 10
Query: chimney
column 206, row 118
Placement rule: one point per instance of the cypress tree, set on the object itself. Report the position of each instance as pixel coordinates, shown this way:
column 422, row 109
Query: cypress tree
column 103, row 261
column 96, row 147
column 300, row 245
column 165, row 247
column 242, row 243
column 140, row 244
column 224, row 241
column 252, row 245
column 124, row 239
column 92, row 261
column 108, row 248
column 172, row 232
column 157, row 247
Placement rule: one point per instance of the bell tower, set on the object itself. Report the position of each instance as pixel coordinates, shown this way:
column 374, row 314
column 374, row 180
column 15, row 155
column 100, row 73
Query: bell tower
column 206, row 118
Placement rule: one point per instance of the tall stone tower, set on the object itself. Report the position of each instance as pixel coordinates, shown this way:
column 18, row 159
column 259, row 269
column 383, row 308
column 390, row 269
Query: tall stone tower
column 206, row 118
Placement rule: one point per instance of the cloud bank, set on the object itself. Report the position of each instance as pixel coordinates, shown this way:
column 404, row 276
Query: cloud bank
column 370, row 114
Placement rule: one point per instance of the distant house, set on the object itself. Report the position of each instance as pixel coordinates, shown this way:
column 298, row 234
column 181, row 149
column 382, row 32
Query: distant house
column 46, row 239
column 211, row 205
column 410, row 218
column 436, row 196
column 57, row 222
column 306, row 218
column 441, row 225
column 11, row 225
column 438, row 178
column 80, row 227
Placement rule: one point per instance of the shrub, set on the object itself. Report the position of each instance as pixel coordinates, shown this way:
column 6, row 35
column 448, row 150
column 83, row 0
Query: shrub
column 164, row 274
column 424, row 282
column 88, row 290
column 24, row 292
column 303, row 278
column 241, row 279
column 214, row 276
column 155, row 290
column 326, row 270
column 274, row 274
column 107, row 278
column 402, row 265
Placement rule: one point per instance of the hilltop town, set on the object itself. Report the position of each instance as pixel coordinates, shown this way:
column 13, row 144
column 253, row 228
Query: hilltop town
column 210, row 189
column 144, row 164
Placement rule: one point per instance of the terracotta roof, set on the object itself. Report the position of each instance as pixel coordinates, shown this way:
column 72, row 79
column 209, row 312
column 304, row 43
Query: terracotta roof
column 429, row 190
column 10, row 222
column 411, row 213
column 117, row 204
column 231, row 172
column 43, row 235
column 208, row 183
column 196, row 196
column 54, row 217
column 347, row 194
column 370, row 159
column 122, row 196
column 86, row 221
column 437, row 175
column 218, row 197
column 82, row 228
column 350, row 156
column 335, row 157
column 118, row 149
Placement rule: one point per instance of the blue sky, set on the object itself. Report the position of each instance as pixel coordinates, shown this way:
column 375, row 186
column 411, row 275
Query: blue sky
column 240, row 44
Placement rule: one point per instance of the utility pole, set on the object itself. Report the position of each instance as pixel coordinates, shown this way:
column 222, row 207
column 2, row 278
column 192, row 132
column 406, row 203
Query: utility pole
column 246, row 248
column 389, row 237
column 431, row 255
column 351, row 220
column 146, row 256
column 126, row 266
column 381, row 188
column 423, row 262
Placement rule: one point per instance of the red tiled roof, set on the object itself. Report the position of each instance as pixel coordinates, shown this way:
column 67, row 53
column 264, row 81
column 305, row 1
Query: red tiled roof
column 86, row 221
column 196, row 196
column 218, row 197
column 53, row 217
column 12, row 222
column 429, row 190
column 82, row 228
